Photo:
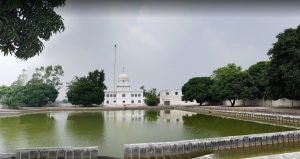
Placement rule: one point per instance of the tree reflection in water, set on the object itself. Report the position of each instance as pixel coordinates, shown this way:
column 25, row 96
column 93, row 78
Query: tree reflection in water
column 85, row 126
column 151, row 115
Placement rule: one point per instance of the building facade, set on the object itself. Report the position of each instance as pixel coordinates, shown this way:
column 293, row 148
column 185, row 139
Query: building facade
column 173, row 97
column 124, row 95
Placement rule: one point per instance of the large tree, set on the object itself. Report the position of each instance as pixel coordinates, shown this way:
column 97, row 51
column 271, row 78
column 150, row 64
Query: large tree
column 284, row 71
column 88, row 90
column 228, row 83
column 258, row 76
column 39, row 94
column 32, row 94
column 25, row 24
column 197, row 88
column 3, row 91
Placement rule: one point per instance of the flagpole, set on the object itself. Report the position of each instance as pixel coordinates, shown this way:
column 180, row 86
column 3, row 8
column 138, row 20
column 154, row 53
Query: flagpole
column 115, row 74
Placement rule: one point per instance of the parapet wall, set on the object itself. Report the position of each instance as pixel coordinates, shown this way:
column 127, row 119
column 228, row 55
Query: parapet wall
column 54, row 153
column 197, row 147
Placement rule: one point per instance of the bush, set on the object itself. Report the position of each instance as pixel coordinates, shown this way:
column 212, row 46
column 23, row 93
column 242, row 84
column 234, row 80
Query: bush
column 151, row 99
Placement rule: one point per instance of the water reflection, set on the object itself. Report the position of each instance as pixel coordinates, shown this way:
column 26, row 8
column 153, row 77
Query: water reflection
column 85, row 127
column 111, row 129
column 151, row 115
column 18, row 132
column 211, row 126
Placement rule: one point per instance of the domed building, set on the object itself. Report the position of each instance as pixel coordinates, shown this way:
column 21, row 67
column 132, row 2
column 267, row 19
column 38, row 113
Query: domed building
column 124, row 95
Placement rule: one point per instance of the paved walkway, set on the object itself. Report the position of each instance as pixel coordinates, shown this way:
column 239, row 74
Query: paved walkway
column 292, row 155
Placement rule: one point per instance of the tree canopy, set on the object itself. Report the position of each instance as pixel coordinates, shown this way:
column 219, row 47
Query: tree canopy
column 88, row 90
column 284, row 71
column 49, row 75
column 258, row 75
column 32, row 94
column 228, row 83
column 151, row 98
column 197, row 88
column 25, row 24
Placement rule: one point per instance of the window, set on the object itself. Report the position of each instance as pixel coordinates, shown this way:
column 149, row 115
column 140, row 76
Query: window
column 139, row 101
column 107, row 102
column 114, row 101
column 176, row 93
column 167, row 93
column 107, row 95
column 123, row 95
column 115, row 95
column 111, row 95
column 139, row 95
column 135, row 95
column 132, row 101
column 123, row 101
column 132, row 95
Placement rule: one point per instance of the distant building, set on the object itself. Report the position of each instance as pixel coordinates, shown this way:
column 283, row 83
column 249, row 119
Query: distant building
column 124, row 95
column 173, row 97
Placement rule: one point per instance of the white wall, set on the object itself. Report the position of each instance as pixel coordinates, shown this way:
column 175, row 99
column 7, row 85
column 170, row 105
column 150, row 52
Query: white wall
column 267, row 103
column 173, row 98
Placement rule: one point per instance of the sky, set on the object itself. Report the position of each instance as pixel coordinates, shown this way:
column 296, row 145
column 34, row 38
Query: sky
column 160, row 45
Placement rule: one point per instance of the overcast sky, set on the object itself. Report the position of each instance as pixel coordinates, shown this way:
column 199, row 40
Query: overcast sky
column 159, row 45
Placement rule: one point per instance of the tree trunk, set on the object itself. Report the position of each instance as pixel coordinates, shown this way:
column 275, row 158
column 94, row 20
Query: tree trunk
column 232, row 102
column 200, row 103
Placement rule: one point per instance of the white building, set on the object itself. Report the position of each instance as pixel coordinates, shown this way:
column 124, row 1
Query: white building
column 124, row 95
column 173, row 98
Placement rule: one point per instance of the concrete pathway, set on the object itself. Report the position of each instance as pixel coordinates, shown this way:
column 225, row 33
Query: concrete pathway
column 292, row 155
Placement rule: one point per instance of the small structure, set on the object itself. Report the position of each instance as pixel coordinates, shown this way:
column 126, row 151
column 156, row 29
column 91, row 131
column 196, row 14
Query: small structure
column 123, row 95
column 173, row 97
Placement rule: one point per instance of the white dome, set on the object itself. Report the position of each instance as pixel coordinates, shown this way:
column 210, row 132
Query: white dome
column 123, row 76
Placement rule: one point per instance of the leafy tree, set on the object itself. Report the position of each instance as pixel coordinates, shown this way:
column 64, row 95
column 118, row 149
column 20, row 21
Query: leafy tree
column 197, row 88
column 258, row 75
column 39, row 94
column 98, row 78
column 49, row 75
column 3, row 91
column 32, row 94
column 249, row 90
column 228, row 83
column 15, row 97
column 24, row 24
column 87, row 90
column 151, row 99
column 284, row 71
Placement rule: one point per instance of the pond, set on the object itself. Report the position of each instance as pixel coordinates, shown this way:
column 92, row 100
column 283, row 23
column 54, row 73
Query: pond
column 111, row 129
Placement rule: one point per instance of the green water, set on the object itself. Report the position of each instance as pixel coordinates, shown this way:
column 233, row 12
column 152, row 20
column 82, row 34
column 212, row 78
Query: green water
column 111, row 129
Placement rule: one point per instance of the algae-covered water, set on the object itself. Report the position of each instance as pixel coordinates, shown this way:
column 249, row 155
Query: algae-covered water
column 111, row 129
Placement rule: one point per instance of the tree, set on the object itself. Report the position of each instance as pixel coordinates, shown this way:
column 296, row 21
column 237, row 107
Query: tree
column 49, row 75
column 258, row 75
column 87, row 90
column 3, row 92
column 24, row 24
column 197, row 88
column 98, row 78
column 39, row 94
column 32, row 94
column 15, row 97
column 284, row 71
column 228, row 83
column 151, row 99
